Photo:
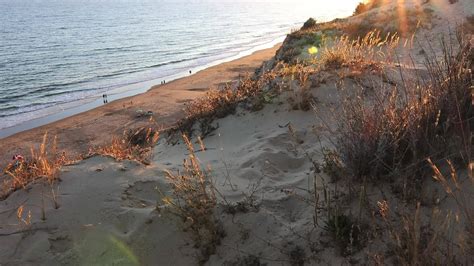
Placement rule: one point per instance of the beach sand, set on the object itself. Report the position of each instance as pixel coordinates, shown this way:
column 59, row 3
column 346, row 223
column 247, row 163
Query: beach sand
column 76, row 134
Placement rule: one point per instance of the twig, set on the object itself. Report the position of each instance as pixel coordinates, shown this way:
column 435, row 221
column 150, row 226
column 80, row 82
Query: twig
column 31, row 229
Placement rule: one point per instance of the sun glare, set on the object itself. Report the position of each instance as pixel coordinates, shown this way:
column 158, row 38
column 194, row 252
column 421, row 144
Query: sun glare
column 402, row 17
column 405, row 20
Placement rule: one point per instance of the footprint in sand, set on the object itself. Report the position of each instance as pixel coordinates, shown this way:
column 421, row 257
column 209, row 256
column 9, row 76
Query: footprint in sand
column 60, row 244
column 142, row 194
column 274, row 163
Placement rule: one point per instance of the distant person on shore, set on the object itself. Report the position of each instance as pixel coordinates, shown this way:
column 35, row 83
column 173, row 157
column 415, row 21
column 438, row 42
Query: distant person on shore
column 104, row 98
column 190, row 72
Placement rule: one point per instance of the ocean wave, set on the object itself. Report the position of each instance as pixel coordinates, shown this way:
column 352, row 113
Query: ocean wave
column 4, row 112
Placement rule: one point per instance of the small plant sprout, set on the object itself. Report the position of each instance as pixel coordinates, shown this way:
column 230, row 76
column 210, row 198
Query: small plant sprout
column 23, row 219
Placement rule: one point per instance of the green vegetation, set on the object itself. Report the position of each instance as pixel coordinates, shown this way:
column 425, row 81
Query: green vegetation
column 310, row 23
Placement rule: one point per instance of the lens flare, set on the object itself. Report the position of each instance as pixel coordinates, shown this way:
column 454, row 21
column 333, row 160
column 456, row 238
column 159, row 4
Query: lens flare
column 125, row 250
column 313, row 50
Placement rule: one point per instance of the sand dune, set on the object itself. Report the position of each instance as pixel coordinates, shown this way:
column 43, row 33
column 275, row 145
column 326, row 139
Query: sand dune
column 266, row 164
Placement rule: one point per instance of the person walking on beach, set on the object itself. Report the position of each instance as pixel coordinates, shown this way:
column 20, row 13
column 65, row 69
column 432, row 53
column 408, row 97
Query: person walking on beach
column 104, row 98
column 190, row 72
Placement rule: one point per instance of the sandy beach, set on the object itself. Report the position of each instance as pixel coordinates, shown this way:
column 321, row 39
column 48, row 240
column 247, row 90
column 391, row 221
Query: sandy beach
column 76, row 134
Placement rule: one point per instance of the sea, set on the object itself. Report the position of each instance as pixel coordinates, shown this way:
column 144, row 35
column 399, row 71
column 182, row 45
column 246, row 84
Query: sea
column 61, row 56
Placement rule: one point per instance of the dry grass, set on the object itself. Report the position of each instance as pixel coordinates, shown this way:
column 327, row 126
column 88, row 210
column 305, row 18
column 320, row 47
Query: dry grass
column 457, row 189
column 443, row 237
column 195, row 202
column 360, row 54
column 134, row 145
column 398, row 129
column 415, row 240
column 388, row 19
column 390, row 135
column 367, row 51
column 250, row 93
column 44, row 163
column 354, row 57
column 300, row 97
column 468, row 25
column 218, row 103
column 387, row 23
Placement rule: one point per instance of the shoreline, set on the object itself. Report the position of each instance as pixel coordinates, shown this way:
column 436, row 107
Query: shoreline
column 76, row 132
column 83, row 105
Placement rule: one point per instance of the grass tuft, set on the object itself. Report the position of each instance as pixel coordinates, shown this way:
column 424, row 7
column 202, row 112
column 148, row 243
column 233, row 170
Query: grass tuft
column 132, row 145
column 44, row 163
column 366, row 51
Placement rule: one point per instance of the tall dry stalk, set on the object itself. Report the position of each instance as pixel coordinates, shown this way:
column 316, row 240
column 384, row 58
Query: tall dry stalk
column 195, row 201
column 365, row 50
column 396, row 130
column 457, row 190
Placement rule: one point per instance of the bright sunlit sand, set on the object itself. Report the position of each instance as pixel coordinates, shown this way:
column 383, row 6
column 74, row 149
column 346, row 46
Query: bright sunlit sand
column 267, row 138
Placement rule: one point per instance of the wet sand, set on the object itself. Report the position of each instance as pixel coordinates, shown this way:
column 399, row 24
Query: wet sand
column 76, row 134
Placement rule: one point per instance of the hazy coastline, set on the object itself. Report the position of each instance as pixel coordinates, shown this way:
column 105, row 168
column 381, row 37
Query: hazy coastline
column 70, row 51
column 57, row 113
column 81, row 128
